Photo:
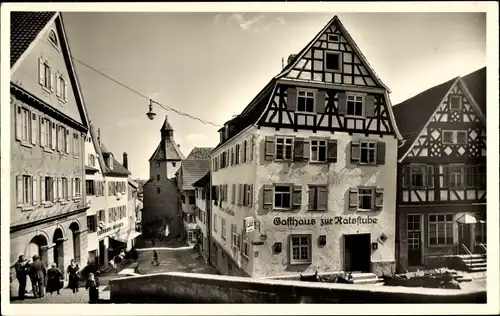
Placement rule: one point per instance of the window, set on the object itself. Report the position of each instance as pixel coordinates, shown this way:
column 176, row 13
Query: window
column 25, row 189
column 101, row 216
column 45, row 74
column 284, row 148
column 455, row 102
column 282, row 196
column 65, row 186
column 157, row 177
column 234, row 236
column 246, row 246
column 157, row 165
column 318, row 197
column 332, row 61
column 456, row 176
column 354, row 105
column 248, row 194
column 237, row 158
column 413, row 223
column 300, row 247
column 454, row 137
column 49, row 189
column 78, row 186
column 441, row 229
column 173, row 164
column 46, row 132
column 25, row 124
column 191, row 218
column 365, row 196
column 318, row 150
column 61, row 88
column 223, row 228
column 333, row 38
column 417, row 176
column 368, row 153
column 245, row 144
column 53, row 37
column 91, row 223
column 76, row 145
column 91, row 160
column 305, row 101
column 158, row 190
column 192, row 200
column 191, row 236
column 89, row 187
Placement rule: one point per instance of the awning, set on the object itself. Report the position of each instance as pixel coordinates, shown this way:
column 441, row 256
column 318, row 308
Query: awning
column 125, row 236
column 466, row 219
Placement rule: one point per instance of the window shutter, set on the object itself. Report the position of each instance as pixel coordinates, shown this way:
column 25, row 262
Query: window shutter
column 430, row 177
column 42, row 189
column 250, row 202
column 73, row 186
column 406, row 176
column 298, row 148
column 322, row 198
column 251, row 145
column 59, row 188
column 233, row 195
column 380, row 153
column 34, row 189
column 54, row 189
column 65, row 91
column 379, row 197
column 342, row 103
column 41, row 72
column 19, row 123
column 34, row 129
column 270, row 148
column 52, row 77
column 353, row 197
column 58, row 85
column 267, row 196
column 306, row 145
column 238, row 195
column 20, row 190
column 355, row 151
column 332, row 150
column 291, row 99
column 320, row 101
column 297, row 196
column 53, row 134
column 244, row 194
column 446, row 176
column 370, row 106
column 312, row 197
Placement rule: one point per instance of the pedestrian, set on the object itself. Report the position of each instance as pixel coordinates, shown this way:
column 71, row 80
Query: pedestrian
column 73, row 277
column 22, row 270
column 38, row 276
column 155, row 258
column 54, row 279
column 92, row 285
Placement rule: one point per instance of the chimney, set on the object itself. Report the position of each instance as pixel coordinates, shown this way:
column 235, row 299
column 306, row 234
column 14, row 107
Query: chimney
column 292, row 56
column 125, row 160
column 99, row 136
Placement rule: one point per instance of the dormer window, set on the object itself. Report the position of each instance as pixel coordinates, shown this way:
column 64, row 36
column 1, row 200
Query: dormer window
column 110, row 162
column 53, row 38
column 333, row 38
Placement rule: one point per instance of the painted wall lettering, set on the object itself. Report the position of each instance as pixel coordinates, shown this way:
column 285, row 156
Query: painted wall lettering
column 337, row 220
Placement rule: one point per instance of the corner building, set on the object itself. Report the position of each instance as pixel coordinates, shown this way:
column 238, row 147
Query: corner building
column 304, row 179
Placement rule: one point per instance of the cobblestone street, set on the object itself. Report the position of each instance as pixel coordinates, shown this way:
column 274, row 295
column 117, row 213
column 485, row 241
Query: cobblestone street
column 66, row 297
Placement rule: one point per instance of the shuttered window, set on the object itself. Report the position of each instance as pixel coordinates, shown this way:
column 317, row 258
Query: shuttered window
column 26, row 190
column 368, row 152
column 366, row 198
column 318, row 150
column 318, row 198
column 233, row 194
column 305, row 101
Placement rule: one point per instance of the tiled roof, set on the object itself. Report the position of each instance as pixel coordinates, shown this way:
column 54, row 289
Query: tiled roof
column 173, row 153
column 118, row 168
column 191, row 171
column 199, row 153
column 476, row 84
column 203, row 181
column 24, row 27
column 412, row 114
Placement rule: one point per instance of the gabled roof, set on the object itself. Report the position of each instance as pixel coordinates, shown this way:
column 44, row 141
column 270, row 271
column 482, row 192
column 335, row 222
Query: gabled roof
column 97, row 148
column 203, row 181
column 476, row 84
column 413, row 114
column 173, row 153
column 191, row 171
column 198, row 153
column 24, row 28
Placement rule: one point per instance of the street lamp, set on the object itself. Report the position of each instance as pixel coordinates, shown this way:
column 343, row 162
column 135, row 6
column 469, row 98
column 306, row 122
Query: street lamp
column 151, row 115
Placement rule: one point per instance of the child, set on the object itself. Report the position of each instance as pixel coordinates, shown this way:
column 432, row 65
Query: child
column 92, row 286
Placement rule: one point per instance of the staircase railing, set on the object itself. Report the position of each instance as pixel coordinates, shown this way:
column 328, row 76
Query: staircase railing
column 483, row 248
column 469, row 253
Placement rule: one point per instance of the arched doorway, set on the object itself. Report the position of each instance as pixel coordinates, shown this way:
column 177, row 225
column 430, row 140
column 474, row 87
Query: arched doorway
column 75, row 230
column 38, row 246
column 58, row 240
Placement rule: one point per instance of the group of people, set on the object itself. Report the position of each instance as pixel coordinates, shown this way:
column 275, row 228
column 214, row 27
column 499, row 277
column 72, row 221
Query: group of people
column 51, row 280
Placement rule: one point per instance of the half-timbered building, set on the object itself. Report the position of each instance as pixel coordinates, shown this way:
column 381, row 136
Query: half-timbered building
column 442, row 174
column 305, row 177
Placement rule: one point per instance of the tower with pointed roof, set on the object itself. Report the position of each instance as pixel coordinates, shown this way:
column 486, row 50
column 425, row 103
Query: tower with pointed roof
column 167, row 156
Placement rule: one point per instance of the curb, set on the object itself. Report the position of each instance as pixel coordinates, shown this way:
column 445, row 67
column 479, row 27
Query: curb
column 165, row 248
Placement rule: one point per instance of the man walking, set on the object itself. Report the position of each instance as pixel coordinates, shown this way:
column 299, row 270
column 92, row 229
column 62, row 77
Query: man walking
column 38, row 274
column 22, row 270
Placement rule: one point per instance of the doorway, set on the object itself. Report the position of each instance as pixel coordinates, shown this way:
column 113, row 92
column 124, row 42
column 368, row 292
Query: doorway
column 414, row 236
column 357, row 253
column 101, row 253
column 465, row 238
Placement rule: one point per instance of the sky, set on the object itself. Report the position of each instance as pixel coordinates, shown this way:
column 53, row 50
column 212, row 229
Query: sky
column 212, row 65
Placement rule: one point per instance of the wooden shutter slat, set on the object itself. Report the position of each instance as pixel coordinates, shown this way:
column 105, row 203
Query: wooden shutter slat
column 270, row 148
column 41, row 72
column 355, row 151
column 65, row 91
column 35, row 188
column 322, row 198
column 42, row 130
column 20, row 191
column 54, row 189
column 267, row 198
column 52, row 77
column 342, row 103
column 19, row 123
column 53, row 136
column 379, row 197
column 320, row 101
column 370, row 106
column 332, row 151
column 381, row 153
column 291, row 99
column 42, row 189
column 297, row 196
column 34, row 128
column 298, row 148
column 312, row 197
column 353, row 197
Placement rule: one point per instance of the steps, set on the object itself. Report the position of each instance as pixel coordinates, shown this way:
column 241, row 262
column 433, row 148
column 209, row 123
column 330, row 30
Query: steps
column 365, row 278
column 474, row 263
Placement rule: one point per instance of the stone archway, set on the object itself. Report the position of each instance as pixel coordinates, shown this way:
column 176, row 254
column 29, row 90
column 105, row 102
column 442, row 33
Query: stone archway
column 75, row 230
column 38, row 246
column 58, row 240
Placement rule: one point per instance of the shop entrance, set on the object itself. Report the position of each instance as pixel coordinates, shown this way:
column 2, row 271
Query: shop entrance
column 357, row 253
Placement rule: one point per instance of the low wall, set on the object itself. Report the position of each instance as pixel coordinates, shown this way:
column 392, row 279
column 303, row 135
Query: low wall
column 178, row 287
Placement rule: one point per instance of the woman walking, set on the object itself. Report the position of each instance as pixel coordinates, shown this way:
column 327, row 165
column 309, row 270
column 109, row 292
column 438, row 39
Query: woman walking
column 73, row 276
